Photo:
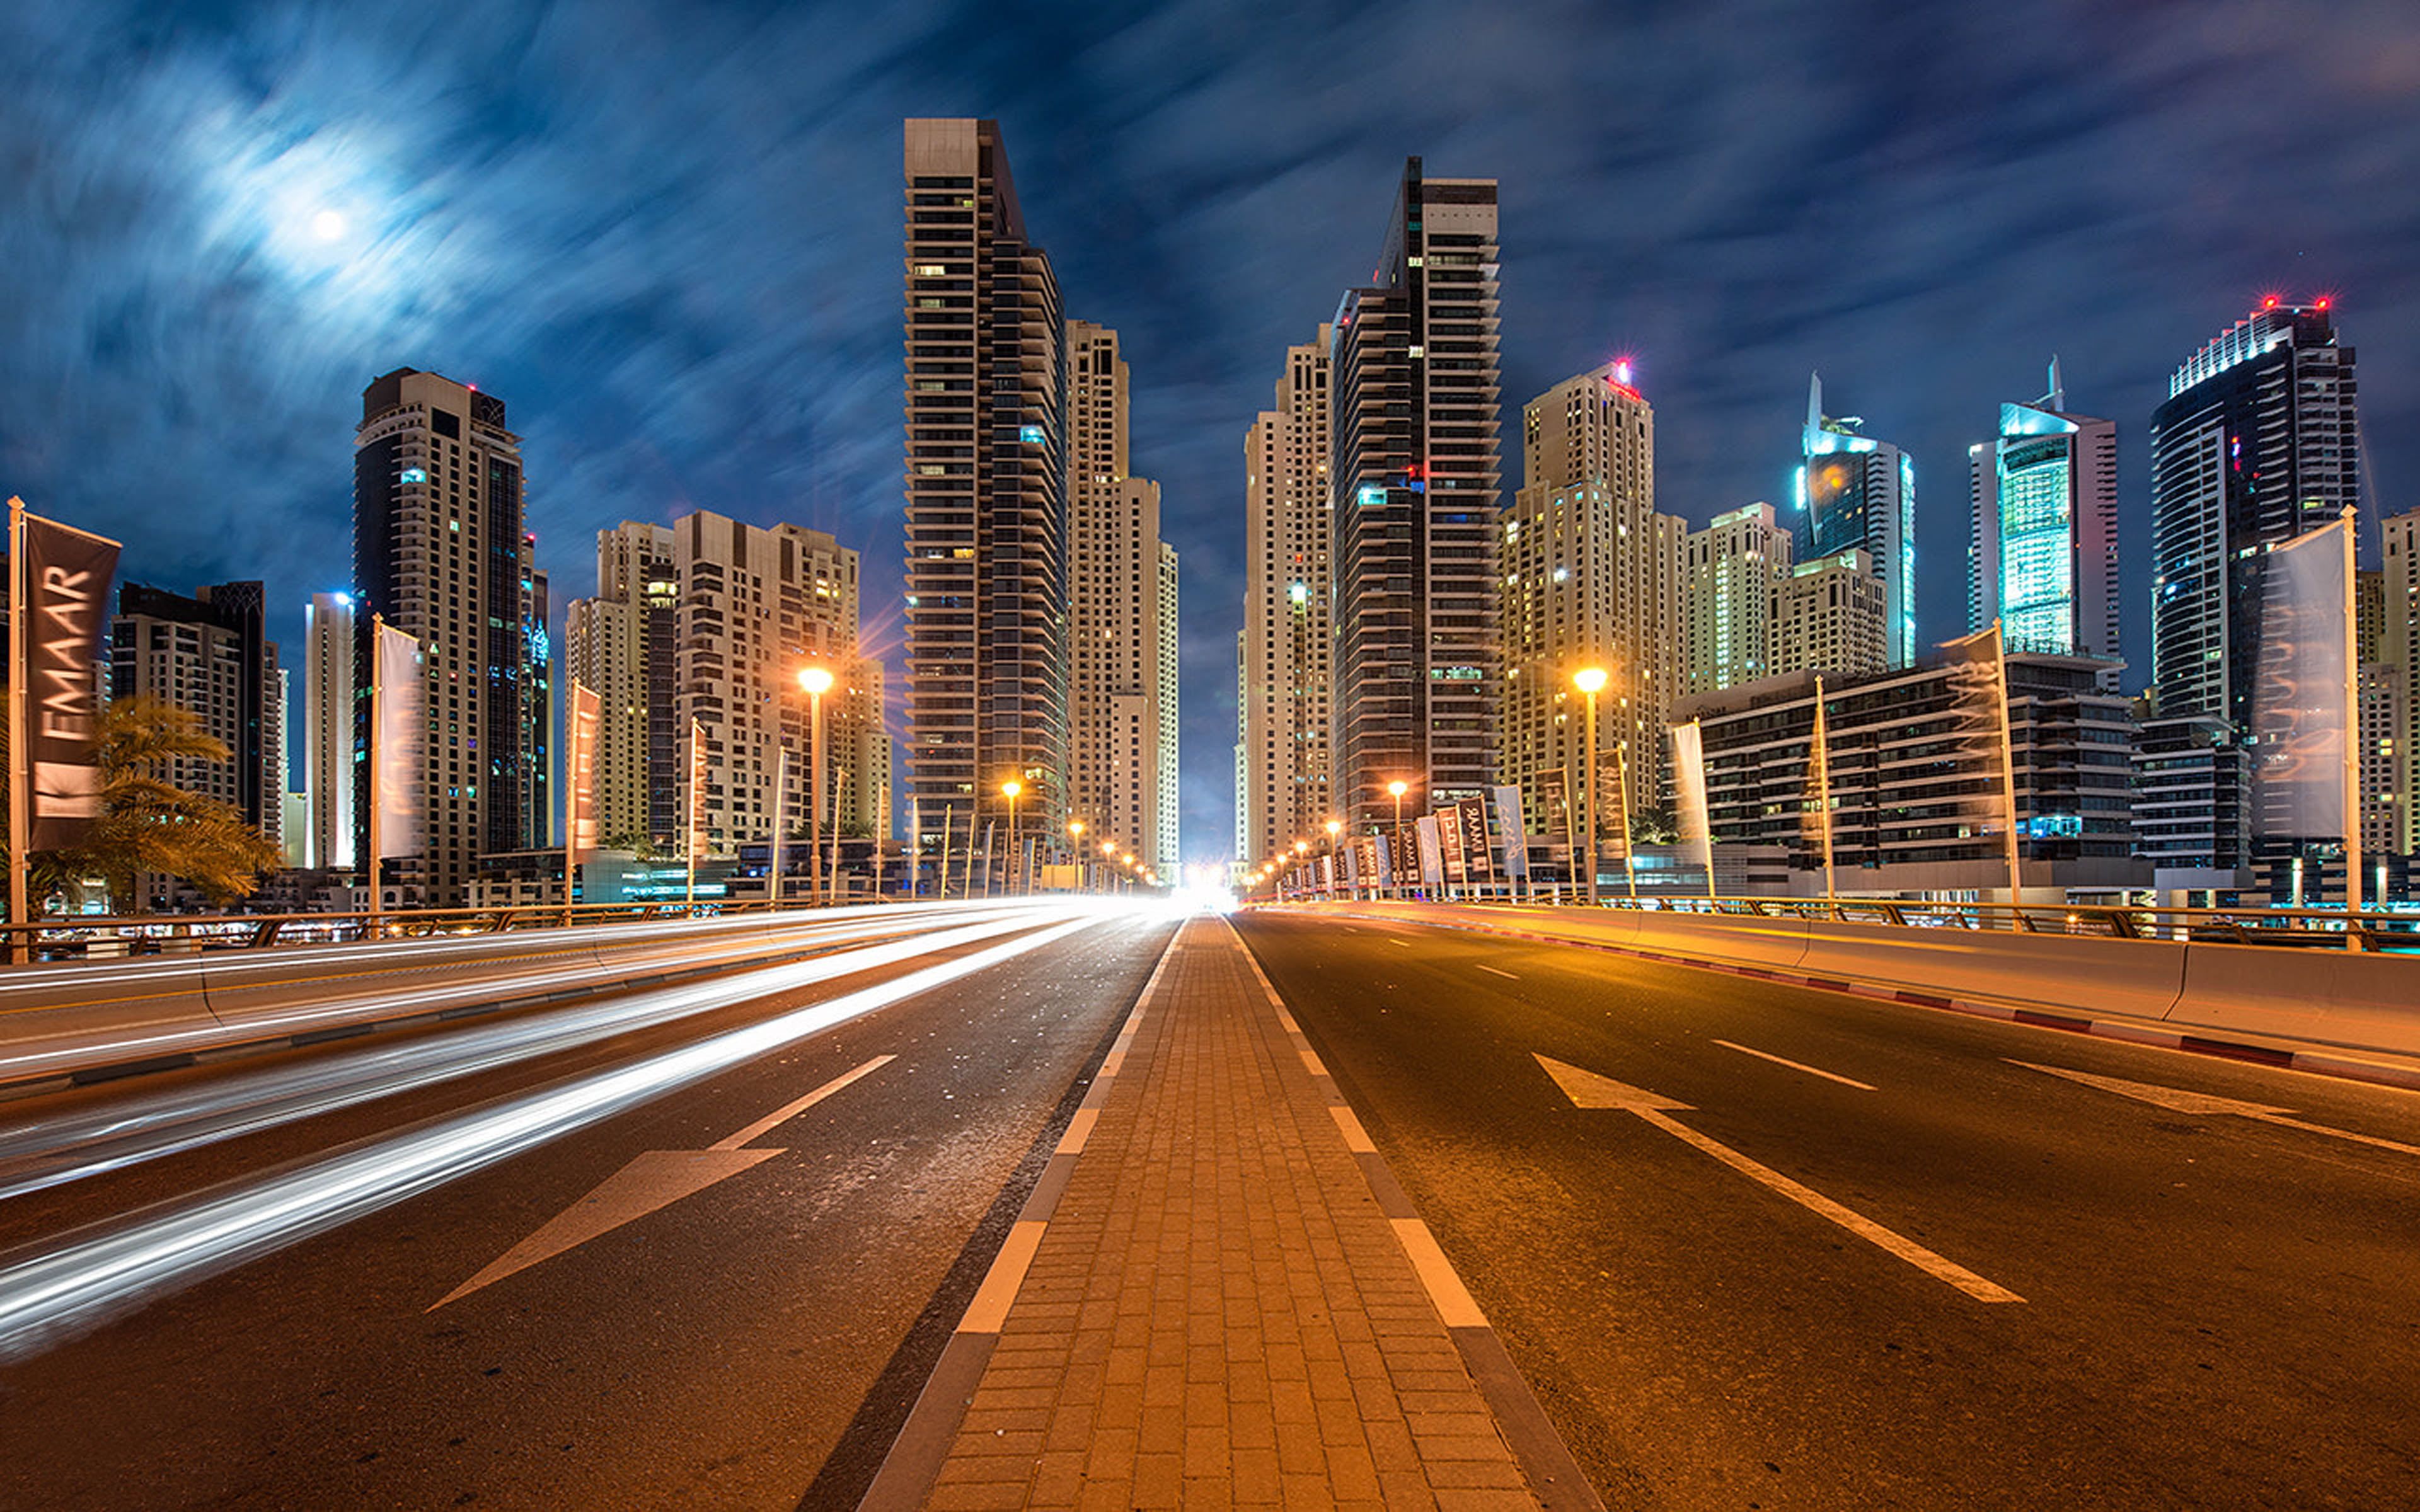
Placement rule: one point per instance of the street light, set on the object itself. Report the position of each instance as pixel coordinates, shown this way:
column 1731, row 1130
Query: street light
column 817, row 681
column 1590, row 680
column 1012, row 788
column 1395, row 840
column 1076, row 847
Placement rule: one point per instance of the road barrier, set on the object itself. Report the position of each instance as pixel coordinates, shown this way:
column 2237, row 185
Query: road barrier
column 90, row 1019
column 2337, row 998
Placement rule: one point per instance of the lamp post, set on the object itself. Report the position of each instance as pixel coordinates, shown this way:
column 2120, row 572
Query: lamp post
column 1395, row 839
column 817, row 681
column 1076, row 848
column 1011, row 788
column 1335, row 827
column 1590, row 681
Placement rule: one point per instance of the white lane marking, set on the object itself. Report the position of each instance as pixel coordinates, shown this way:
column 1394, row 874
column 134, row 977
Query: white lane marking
column 1493, row 972
column 2177, row 1100
column 989, row 1309
column 89, row 1279
column 1586, row 1088
column 1446, row 1291
column 790, row 1110
column 1811, row 1070
column 1357, row 1138
column 1393, row 939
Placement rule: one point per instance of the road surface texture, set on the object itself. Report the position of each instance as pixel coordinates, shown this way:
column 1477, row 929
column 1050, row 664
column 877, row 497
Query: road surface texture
column 716, row 1274
column 1763, row 1247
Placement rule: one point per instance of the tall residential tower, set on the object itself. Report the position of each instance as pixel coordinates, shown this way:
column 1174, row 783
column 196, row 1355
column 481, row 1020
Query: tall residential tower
column 2042, row 554
column 1282, row 770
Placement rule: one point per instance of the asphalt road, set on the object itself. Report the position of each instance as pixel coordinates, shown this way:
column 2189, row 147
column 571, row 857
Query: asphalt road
column 2219, row 1309
column 752, row 1343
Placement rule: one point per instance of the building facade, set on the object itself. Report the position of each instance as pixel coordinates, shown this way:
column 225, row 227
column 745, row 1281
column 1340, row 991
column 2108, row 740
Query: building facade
column 624, row 643
column 1858, row 493
column 987, row 503
column 2399, row 651
column 1832, row 616
column 1121, row 712
column 438, row 552
column 1736, row 567
column 206, row 654
column 2042, row 554
column 1415, row 480
column 1591, row 577
column 329, row 635
column 1282, row 765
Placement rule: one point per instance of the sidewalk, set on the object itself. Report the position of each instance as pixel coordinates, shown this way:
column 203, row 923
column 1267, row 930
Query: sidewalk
column 1217, row 1297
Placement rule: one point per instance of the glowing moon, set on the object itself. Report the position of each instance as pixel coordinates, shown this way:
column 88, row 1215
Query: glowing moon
column 330, row 226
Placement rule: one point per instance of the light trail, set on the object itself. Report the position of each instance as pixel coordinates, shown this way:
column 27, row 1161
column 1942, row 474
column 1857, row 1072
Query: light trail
column 54, row 1151
column 120, row 1266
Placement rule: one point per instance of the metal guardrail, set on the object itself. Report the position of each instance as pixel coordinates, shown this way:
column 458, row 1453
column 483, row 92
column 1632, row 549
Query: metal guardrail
column 93, row 938
column 2332, row 929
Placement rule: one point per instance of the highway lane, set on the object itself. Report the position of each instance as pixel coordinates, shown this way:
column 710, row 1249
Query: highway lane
column 719, row 1326
column 2217, row 1306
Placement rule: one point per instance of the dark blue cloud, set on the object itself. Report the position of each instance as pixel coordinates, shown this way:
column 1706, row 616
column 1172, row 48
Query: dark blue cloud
column 669, row 236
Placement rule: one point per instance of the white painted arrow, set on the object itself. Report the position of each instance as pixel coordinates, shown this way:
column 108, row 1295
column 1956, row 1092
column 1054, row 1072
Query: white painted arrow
column 2177, row 1100
column 655, row 1180
column 1587, row 1089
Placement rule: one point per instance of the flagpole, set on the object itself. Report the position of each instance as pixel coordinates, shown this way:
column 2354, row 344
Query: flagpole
column 2007, row 770
column 1629, row 852
column 1823, row 789
column 21, row 779
column 696, row 806
column 377, row 773
column 941, row 885
column 781, row 791
column 2352, row 806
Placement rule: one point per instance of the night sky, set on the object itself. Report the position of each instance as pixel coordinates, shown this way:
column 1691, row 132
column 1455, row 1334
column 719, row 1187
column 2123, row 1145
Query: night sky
column 669, row 237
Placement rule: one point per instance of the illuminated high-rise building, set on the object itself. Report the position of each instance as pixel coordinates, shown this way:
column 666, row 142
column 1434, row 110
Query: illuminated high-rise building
column 2398, row 660
column 1831, row 616
column 624, row 645
column 1282, row 767
column 207, row 655
column 1857, row 493
column 2042, row 554
column 986, row 501
column 438, row 551
column 1120, row 713
column 1736, row 567
column 1591, row 577
column 329, row 635
column 1416, row 480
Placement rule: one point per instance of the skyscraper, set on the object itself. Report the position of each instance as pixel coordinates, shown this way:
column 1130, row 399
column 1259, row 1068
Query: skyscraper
column 1592, row 575
column 2256, row 443
column 1120, row 713
column 538, row 702
column 1858, row 493
column 1282, row 768
column 1416, row 481
column 625, row 643
column 207, row 655
column 1165, row 834
column 2042, row 554
column 2398, row 654
column 987, row 566
column 1736, row 565
column 1831, row 616
column 438, row 551
column 329, row 635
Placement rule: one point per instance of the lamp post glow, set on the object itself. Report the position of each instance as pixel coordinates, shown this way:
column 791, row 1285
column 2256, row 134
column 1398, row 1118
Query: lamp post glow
column 1395, row 839
column 1011, row 788
column 1590, row 681
column 1076, row 848
column 817, row 681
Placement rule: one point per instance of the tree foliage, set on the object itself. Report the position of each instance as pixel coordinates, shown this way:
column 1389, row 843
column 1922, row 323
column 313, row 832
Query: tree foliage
column 148, row 824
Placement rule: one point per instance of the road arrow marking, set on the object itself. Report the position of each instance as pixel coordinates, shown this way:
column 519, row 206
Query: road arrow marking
column 1587, row 1089
column 2177, row 1100
column 655, row 1180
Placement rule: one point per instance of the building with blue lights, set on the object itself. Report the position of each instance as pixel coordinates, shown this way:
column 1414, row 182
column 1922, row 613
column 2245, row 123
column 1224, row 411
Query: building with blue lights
column 1857, row 493
column 2042, row 556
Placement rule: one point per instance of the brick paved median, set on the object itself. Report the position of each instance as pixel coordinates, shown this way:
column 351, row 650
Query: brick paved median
column 1219, row 1314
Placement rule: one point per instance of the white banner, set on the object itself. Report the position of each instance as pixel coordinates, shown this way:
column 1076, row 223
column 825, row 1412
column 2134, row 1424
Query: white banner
column 1432, row 855
column 1516, row 840
column 1689, row 779
column 580, row 771
column 2297, row 701
column 399, row 764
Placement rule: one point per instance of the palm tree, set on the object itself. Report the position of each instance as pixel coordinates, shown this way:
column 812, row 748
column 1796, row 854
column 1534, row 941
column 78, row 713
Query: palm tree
column 147, row 823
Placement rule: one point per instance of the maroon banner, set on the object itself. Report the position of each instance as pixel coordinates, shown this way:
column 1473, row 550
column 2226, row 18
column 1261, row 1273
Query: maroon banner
column 65, row 576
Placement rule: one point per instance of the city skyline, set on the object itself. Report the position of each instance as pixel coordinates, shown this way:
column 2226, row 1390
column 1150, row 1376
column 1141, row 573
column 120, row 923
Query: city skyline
column 763, row 429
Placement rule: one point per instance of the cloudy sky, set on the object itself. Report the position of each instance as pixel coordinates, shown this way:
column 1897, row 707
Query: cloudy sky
column 668, row 235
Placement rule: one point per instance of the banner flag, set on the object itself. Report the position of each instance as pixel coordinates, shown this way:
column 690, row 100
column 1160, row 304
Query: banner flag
column 2298, row 701
column 65, row 576
column 1452, row 844
column 1432, row 855
column 697, row 772
column 1516, row 838
column 1689, row 779
column 1479, row 857
column 585, row 715
column 400, row 760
